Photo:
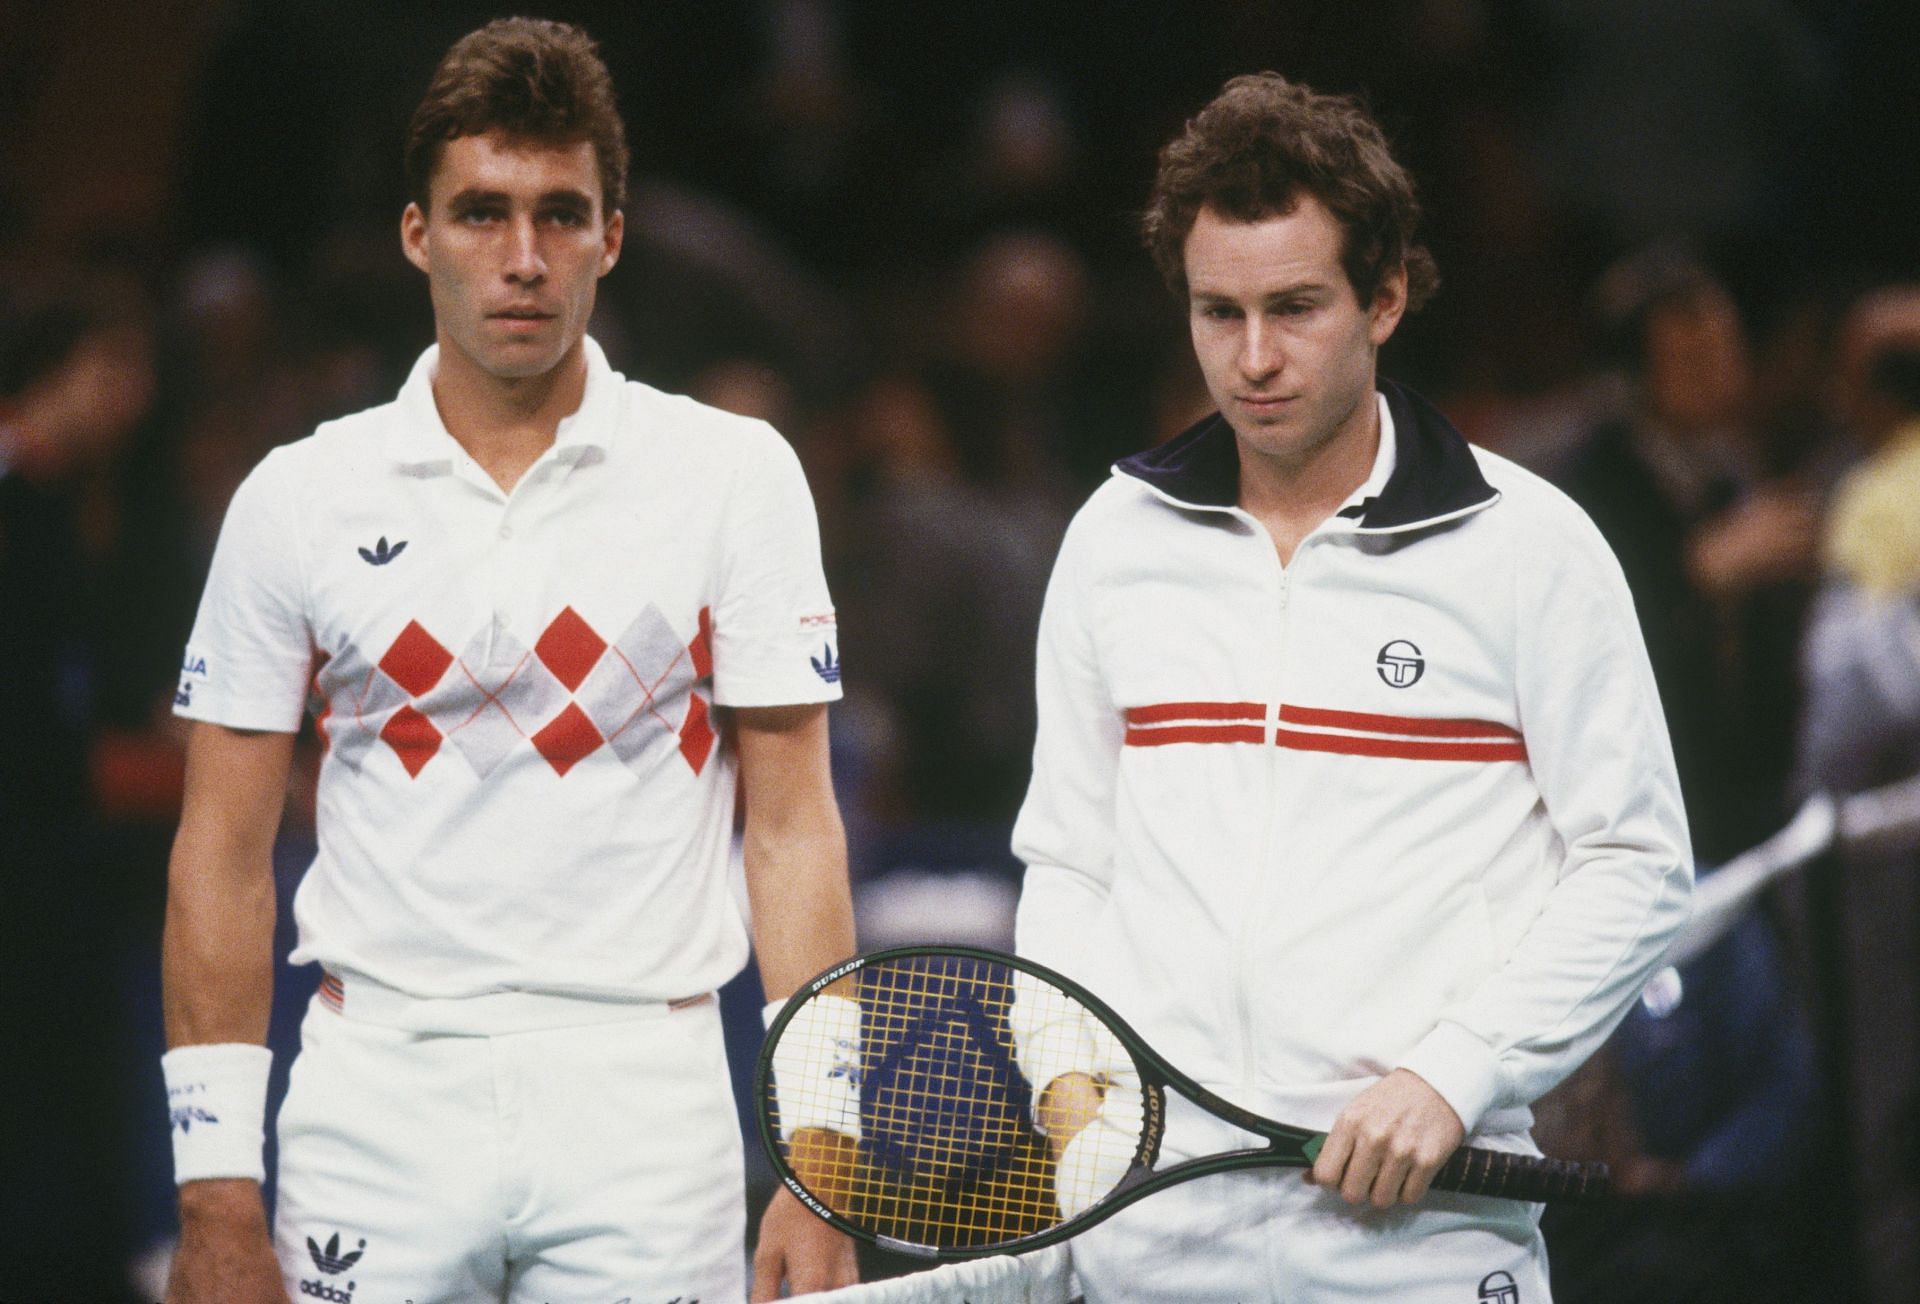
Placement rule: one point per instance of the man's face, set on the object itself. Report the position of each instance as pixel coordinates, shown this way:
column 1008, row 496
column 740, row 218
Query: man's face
column 514, row 244
column 1286, row 348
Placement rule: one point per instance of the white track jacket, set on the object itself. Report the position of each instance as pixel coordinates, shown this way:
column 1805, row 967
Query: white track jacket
column 1406, row 802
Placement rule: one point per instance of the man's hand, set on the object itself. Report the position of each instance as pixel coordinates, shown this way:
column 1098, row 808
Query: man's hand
column 801, row 1250
column 1388, row 1142
column 1070, row 1102
column 225, row 1255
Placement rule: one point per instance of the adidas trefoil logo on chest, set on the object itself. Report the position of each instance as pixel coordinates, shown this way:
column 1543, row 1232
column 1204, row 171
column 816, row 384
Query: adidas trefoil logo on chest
column 382, row 552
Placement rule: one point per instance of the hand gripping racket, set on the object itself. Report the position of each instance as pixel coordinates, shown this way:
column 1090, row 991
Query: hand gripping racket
column 945, row 1102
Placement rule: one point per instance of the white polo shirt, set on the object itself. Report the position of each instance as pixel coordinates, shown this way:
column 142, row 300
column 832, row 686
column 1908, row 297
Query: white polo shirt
column 526, row 786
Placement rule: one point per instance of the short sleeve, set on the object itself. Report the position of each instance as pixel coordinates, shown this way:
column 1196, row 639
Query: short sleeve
column 250, row 657
column 775, row 639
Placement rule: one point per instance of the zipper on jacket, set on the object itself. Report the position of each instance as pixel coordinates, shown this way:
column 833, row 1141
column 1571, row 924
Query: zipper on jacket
column 1243, row 980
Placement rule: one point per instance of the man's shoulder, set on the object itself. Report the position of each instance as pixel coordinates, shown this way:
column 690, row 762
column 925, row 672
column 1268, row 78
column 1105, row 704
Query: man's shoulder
column 343, row 442
column 1544, row 532
column 1531, row 505
column 688, row 426
column 1116, row 504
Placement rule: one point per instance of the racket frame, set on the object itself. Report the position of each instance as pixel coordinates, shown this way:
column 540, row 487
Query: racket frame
column 1286, row 1146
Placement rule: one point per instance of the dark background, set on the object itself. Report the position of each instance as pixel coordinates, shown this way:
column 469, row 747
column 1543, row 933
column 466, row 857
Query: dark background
column 904, row 231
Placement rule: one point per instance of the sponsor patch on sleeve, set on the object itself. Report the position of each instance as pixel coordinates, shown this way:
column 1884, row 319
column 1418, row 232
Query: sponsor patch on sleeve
column 193, row 667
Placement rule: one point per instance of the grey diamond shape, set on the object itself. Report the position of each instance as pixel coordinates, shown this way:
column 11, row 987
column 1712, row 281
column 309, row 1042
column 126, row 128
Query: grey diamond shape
column 615, row 699
column 644, row 736
column 633, row 696
column 487, row 706
column 657, row 654
column 363, row 699
column 349, row 740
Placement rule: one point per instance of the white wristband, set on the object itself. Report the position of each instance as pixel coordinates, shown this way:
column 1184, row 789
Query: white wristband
column 217, row 1101
column 817, row 1089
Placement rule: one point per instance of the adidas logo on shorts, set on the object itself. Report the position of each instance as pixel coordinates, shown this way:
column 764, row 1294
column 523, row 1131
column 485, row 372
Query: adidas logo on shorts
column 332, row 1263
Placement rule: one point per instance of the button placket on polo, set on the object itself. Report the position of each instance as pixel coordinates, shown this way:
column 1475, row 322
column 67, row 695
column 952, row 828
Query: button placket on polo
column 503, row 587
column 508, row 582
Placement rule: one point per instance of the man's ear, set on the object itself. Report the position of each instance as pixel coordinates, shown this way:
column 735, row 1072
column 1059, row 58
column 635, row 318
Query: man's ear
column 616, row 234
column 1389, row 305
column 413, row 236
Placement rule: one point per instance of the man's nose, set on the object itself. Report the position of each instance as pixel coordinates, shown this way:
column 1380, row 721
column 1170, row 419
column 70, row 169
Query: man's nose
column 524, row 263
column 1261, row 351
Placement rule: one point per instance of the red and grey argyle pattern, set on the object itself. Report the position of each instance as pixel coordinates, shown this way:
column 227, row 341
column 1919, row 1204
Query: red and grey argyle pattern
column 567, row 697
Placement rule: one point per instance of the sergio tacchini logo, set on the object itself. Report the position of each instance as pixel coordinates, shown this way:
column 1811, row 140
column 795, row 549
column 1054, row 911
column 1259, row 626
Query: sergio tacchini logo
column 1400, row 664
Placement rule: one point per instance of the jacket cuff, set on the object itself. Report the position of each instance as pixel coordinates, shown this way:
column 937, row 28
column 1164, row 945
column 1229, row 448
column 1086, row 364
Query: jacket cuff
column 1459, row 1066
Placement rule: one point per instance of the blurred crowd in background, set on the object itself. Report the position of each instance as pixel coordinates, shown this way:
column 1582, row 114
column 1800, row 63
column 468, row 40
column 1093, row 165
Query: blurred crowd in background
column 1681, row 278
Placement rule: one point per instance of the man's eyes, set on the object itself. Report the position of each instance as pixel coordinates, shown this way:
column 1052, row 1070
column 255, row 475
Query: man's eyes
column 570, row 218
column 1228, row 312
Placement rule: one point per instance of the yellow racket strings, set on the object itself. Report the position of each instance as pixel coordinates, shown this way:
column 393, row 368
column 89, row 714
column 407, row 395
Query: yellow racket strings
column 992, row 1105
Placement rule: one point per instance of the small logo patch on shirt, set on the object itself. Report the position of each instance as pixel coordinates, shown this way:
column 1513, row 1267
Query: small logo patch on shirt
column 825, row 665
column 380, row 554
column 1400, row 664
column 1499, row 1288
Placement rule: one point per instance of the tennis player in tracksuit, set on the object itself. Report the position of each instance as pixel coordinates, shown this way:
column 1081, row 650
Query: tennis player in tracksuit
column 545, row 618
column 1351, row 788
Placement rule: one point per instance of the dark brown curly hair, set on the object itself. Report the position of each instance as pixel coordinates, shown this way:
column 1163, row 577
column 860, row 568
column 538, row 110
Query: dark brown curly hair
column 526, row 77
column 1262, row 142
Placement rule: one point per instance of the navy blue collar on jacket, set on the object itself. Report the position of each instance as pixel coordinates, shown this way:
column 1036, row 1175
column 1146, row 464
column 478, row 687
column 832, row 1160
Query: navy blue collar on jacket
column 1435, row 476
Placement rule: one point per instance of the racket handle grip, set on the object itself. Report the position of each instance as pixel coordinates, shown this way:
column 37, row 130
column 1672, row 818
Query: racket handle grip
column 1473, row 1171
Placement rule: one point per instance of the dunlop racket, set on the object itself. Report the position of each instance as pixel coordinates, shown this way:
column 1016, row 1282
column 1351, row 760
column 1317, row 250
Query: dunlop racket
column 946, row 1101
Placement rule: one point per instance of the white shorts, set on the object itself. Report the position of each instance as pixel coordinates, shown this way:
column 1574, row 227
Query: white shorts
column 1266, row 1235
column 582, row 1163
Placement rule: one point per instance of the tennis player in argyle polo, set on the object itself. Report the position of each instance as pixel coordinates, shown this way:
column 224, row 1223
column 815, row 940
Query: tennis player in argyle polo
column 546, row 620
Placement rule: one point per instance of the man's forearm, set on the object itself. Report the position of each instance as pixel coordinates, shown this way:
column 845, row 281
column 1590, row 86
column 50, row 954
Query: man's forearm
column 217, row 957
column 802, row 908
column 217, row 949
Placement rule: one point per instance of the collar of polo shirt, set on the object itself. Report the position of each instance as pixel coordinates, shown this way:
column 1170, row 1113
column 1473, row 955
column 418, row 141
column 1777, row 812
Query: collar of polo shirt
column 421, row 441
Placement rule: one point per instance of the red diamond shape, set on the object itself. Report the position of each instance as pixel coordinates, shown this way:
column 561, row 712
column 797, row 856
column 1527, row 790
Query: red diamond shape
column 702, row 646
column 416, row 660
column 568, row 739
column 570, row 647
column 413, row 739
column 696, row 735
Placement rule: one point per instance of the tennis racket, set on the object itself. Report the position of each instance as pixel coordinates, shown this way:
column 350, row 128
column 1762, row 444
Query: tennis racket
column 947, row 1101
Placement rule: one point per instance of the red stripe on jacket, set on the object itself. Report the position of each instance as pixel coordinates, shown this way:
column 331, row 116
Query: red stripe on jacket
column 1467, row 740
